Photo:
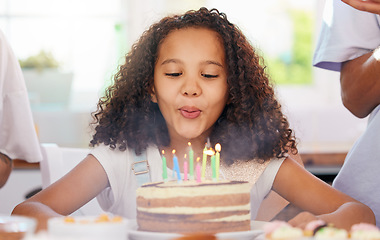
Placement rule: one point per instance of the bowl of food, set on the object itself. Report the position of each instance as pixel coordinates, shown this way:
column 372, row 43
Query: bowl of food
column 16, row 227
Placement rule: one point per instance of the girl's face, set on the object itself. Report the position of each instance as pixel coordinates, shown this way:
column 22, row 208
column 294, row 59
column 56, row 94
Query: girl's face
column 190, row 81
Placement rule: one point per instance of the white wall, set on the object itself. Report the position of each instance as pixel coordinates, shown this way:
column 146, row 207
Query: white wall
column 20, row 183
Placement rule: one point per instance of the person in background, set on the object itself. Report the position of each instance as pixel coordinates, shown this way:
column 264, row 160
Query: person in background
column 190, row 78
column 18, row 138
column 349, row 43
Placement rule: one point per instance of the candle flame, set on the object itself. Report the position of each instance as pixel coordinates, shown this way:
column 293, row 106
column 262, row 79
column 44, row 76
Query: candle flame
column 198, row 158
column 218, row 147
column 185, row 156
column 163, row 152
column 189, row 143
column 209, row 152
column 173, row 151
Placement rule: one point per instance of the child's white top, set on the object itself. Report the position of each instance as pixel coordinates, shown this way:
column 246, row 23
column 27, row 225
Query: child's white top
column 120, row 197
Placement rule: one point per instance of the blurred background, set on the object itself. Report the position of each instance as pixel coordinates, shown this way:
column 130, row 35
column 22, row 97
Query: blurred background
column 69, row 50
column 84, row 41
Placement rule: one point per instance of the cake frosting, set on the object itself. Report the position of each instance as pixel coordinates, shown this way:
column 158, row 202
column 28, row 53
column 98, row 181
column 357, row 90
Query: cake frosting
column 189, row 206
column 312, row 227
column 364, row 231
column 320, row 230
column 280, row 230
column 331, row 233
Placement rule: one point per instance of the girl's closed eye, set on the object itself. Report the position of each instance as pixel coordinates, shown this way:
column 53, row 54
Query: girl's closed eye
column 209, row 75
column 174, row 74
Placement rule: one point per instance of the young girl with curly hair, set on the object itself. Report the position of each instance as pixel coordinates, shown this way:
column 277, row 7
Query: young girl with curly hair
column 191, row 78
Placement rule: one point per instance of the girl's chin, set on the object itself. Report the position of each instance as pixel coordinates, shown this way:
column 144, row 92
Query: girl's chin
column 190, row 133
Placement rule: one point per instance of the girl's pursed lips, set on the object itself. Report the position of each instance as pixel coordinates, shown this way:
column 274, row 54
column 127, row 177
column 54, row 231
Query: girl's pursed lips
column 189, row 109
column 190, row 112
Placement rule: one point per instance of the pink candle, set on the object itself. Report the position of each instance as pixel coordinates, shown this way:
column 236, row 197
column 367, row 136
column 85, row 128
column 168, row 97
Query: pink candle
column 198, row 171
column 185, row 170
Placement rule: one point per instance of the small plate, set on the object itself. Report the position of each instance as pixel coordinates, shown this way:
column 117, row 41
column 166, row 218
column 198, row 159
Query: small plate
column 16, row 227
column 135, row 234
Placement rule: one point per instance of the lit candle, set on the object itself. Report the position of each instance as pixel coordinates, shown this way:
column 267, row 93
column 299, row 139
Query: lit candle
column 198, row 171
column 213, row 167
column 185, row 169
column 164, row 167
column 191, row 160
column 176, row 166
column 218, row 148
column 204, row 160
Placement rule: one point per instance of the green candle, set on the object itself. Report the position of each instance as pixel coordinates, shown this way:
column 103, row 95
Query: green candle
column 164, row 167
column 191, row 161
column 213, row 167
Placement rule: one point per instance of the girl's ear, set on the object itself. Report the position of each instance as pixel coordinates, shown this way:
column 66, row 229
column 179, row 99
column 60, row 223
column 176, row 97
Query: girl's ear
column 153, row 96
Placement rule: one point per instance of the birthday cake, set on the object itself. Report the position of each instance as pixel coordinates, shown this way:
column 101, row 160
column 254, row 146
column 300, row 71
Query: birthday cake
column 190, row 206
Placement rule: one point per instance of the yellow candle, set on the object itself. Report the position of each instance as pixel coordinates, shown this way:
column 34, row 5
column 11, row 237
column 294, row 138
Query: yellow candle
column 204, row 160
column 218, row 148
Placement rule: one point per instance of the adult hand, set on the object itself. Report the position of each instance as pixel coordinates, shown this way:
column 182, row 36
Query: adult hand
column 371, row 6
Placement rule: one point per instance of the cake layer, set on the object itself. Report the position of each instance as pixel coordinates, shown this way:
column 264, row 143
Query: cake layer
column 205, row 201
column 231, row 216
column 174, row 189
column 192, row 226
column 193, row 210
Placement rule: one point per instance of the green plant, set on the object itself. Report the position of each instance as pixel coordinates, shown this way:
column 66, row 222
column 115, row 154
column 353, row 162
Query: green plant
column 295, row 67
column 40, row 61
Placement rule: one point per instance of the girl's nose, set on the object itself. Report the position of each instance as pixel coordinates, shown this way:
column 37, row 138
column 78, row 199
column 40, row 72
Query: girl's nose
column 191, row 88
column 190, row 93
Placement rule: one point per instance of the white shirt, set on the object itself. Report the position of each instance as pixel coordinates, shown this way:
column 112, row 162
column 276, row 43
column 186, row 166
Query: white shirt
column 18, row 138
column 347, row 34
column 120, row 197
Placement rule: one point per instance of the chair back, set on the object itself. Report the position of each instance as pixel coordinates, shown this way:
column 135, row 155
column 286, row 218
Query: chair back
column 56, row 162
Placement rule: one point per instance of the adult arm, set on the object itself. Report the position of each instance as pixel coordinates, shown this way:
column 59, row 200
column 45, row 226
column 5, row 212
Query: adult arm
column 360, row 83
column 6, row 165
column 68, row 194
column 318, row 199
column 372, row 6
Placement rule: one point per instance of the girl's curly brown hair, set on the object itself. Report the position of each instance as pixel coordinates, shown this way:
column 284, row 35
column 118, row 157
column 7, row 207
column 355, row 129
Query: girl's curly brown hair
column 252, row 125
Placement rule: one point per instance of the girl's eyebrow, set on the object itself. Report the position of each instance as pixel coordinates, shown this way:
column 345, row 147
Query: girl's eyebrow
column 171, row 60
column 213, row 62
column 174, row 60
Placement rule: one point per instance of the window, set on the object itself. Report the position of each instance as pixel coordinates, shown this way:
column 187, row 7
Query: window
column 84, row 36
